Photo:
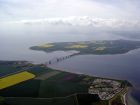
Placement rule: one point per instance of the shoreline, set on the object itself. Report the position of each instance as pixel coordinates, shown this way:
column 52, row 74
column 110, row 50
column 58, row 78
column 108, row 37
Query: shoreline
column 96, row 76
column 125, row 95
column 129, row 99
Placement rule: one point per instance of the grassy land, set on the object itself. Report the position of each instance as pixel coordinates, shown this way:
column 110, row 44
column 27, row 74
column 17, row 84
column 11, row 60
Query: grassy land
column 60, row 84
column 106, row 102
column 74, row 99
column 2, row 100
column 90, row 47
column 48, row 75
column 25, row 89
column 7, row 69
column 43, row 101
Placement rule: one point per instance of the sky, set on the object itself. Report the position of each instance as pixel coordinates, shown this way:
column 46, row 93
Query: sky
column 36, row 9
column 88, row 17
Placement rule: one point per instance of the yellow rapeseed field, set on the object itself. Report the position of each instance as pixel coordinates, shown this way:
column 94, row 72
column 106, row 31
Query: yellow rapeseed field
column 46, row 45
column 77, row 46
column 15, row 79
column 100, row 48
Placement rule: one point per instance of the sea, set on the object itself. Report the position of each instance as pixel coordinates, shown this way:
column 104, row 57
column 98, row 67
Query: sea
column 15, row 46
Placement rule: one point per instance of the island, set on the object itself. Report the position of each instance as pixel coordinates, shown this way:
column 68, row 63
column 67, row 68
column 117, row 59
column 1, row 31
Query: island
column 24, row 83
column 91, row 47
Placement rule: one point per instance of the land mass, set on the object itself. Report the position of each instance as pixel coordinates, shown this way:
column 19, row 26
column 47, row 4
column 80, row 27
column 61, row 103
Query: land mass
column 91, row 47
column 24, row 83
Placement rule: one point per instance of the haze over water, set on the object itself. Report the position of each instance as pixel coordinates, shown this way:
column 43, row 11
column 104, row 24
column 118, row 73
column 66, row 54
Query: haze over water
column 25, row 23
column 121, row 66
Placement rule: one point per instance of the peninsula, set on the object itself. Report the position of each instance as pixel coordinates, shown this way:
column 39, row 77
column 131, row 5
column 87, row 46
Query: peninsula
column 24, row 83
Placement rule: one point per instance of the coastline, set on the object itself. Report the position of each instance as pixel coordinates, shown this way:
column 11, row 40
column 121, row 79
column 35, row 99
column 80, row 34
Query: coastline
column 123, row 93
column 125, row 96
column 124, row 99
column 129, row 99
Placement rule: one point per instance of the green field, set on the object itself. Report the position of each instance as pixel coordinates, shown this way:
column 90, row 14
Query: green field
column 44, row 101
column 61, row 89
column 47, row 75
column 92, row 47
column 51, row 87
column 7, row 69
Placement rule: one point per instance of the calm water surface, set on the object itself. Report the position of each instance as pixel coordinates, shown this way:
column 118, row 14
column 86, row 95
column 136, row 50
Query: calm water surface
column 121, row 66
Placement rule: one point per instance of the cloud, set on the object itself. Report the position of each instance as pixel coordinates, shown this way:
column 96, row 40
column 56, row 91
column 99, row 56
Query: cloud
column 74, row 28
column 35, row 9
column 89, row 17
column 84, row 21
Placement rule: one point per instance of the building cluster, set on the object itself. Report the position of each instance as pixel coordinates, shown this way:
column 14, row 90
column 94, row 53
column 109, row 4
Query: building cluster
column 105, row 88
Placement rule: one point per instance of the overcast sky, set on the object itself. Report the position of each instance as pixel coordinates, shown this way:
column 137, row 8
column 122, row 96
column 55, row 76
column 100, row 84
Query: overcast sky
column 63, row 16
column 38, row 9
